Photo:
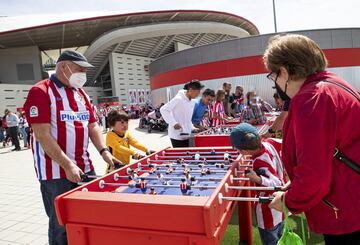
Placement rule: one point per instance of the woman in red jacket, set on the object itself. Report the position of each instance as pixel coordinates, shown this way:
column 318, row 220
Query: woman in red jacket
column 324, row 115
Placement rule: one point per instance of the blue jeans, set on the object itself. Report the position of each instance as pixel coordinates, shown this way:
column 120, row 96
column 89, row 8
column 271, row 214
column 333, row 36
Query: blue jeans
column 271, row 236
column 49, row 190
column 24, row 135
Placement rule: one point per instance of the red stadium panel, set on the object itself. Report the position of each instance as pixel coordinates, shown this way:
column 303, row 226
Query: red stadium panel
column 113, row 210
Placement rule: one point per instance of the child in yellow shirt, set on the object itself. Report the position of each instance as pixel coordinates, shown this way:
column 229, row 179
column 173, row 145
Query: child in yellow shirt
column 119, row 139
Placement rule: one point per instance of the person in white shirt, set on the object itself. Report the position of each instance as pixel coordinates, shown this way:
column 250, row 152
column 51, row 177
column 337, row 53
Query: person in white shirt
column 12, row 122
column 178, row 113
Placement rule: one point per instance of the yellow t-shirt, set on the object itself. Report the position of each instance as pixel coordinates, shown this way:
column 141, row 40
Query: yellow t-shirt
column 120, row 147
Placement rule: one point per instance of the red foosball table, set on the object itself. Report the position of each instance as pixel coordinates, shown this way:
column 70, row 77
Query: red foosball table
column 175, row 196
column 216, row 136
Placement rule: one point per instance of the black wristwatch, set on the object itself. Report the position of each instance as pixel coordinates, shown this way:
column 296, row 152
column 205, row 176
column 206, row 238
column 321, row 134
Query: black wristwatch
column 271, row 131
column 103, row 149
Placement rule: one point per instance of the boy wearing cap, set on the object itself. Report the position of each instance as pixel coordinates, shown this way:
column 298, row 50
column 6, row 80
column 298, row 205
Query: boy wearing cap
column 265, row 156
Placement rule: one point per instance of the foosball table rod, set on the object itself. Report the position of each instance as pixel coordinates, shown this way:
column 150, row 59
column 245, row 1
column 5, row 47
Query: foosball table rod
column 199, row 152
column 102, row 184
column 202, row 158
column 185, row 161
column 200, row 165
column 221, row 198
column 251, row 188
column 117, row 177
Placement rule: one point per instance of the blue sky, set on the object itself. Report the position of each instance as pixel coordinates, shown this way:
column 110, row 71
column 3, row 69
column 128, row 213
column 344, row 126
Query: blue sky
column 291, row 14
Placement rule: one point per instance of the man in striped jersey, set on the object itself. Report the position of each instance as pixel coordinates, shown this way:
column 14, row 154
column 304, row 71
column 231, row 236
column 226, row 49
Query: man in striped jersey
column 62, row 121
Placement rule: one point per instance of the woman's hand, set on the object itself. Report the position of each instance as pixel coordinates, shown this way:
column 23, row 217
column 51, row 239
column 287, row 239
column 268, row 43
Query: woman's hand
column 276, row 203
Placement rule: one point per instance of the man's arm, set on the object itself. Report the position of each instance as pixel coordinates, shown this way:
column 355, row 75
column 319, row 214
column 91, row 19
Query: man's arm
column 53, row 150
column 95, row 135
column 166, row 113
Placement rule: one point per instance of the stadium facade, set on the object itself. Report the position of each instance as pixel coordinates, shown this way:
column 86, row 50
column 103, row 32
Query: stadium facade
column 150, row 55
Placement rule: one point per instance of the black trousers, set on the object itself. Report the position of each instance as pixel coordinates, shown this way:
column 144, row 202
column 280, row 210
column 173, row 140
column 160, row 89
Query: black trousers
column 13, row 131
column 49, row 190
column 179, row 143
column 345, row 239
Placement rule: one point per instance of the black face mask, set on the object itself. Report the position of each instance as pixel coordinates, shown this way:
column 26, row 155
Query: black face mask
column 281, row 93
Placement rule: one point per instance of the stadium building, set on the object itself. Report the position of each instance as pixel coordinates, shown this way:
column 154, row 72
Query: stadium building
column 121, row 47
column 150, row 55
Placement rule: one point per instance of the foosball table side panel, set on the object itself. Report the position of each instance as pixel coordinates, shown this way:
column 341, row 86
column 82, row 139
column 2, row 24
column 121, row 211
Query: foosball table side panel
column 211, row 140
column 79, row 234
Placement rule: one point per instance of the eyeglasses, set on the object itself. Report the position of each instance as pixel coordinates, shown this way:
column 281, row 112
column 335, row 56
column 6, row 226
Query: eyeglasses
column 272, row 76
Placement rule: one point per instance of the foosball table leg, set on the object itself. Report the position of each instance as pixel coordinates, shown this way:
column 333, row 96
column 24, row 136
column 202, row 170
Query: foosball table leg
column 245, row 218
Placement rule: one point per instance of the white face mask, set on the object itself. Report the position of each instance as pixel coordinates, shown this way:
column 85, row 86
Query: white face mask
column 77, row 79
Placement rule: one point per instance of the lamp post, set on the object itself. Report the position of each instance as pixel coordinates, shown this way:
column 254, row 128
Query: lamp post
column 274, row 13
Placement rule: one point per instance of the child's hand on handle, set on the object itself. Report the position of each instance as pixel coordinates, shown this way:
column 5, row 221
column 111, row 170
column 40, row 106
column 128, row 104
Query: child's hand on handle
column 137, row 156
column 149, row 152
column 177, row 126
column 253, row 177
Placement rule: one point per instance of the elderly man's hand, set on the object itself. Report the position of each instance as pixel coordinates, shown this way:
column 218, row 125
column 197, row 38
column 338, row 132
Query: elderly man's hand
column 110, row 159
column 73, row 173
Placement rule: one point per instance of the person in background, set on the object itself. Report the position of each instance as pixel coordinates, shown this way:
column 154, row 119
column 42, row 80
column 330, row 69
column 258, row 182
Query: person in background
column 2, row 136
column 205, row 122
column 254, row 111
column 228, row 99
column 321, row 139
column 5, row 131
column 201, row 106
column 219, row 116
column 24, row 128
column 178, row 113
column 106, row 112
column 275, row 130
column 279, row 103
column 237, row 102
column 12, row 122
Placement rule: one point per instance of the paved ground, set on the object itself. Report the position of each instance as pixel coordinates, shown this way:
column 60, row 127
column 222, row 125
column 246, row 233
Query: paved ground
column 22, row 217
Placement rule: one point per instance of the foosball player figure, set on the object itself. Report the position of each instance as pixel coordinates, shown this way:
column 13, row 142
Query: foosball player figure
column 205, row 171
column 185, row 165
column 143, row 185
column 152, row 191
column 178, row 161
column 187, row 170
column 161, row 178
column 169, row 170
column 153, row 168
column 226, row 156
column 184, row 187
column 213, row 152
column 197, row 156
column 219, row 165
column 189, row 179
column 133, row 176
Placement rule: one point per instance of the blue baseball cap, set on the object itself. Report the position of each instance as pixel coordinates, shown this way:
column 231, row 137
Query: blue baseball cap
column 237, row 135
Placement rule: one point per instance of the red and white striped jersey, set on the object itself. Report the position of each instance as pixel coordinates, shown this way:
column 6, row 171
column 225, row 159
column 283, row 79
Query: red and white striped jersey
column 68, row 111
column 269, row 160
column 106, row 111
column 219, row 109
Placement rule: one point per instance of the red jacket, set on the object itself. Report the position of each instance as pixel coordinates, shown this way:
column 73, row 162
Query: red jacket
column 323, row 116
